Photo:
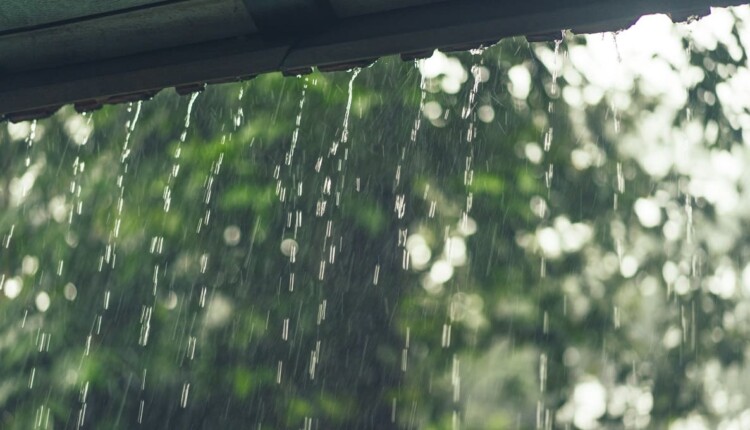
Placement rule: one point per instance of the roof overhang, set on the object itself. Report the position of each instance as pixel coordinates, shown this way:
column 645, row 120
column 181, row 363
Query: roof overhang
column 91, row 53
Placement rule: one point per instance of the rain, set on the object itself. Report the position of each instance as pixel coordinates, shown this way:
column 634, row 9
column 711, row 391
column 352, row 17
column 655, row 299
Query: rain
column 526, row 235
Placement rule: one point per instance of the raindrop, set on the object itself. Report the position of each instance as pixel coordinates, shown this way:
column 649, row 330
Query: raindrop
column 185, row 394
column 548, row 139
column 543, row 372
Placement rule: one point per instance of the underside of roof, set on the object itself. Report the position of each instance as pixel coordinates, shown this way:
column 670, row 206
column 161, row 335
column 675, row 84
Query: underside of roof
column 93, row 52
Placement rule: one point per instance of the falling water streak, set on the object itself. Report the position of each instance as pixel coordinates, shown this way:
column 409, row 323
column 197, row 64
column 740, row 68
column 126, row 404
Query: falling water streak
column 456, row 379
column 333, row 187
column 193, row 97
column 285, row 330
column 471, row 133
column 184, row 395
column 620, row 183
column 9, row 236
column 42, row 418
column 548, row 136
column 130, row 130
column 82, row 396
column 393, row 410
column 617, row 47
column 399, row 192
column 548, row 176
column 543, row 413
column 542, row 373
column 214, row 170
column 554, row 90
column 693, row 325
column 30, row 141
column 31, row 378
column 334, row 184
column 239, row 116
column 157, row 245
column 620, row 179
column 345, row 132
column 557, row 66
column 405, row 351
column 616, row 317
column 167, row 195
column 110, row 255
column 422, row 99
column 467, row 113
column 294, row 216
column 141, row 405
column 615, row 118
column 689, row 219
column 289, row 188
column 446, row 338
column 75, row 187
column 297, row 122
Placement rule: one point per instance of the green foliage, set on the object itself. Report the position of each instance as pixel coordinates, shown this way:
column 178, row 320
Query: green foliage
column 282, row 287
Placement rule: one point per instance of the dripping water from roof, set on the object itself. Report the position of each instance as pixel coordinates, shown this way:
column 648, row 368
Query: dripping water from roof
column 167, row 196
column 110, row 254
column 399, row 186
column 289, row 189
column 345, row 132
column 30, row 141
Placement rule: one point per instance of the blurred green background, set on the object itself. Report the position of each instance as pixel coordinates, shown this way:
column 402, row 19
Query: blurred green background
column 530, row 236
